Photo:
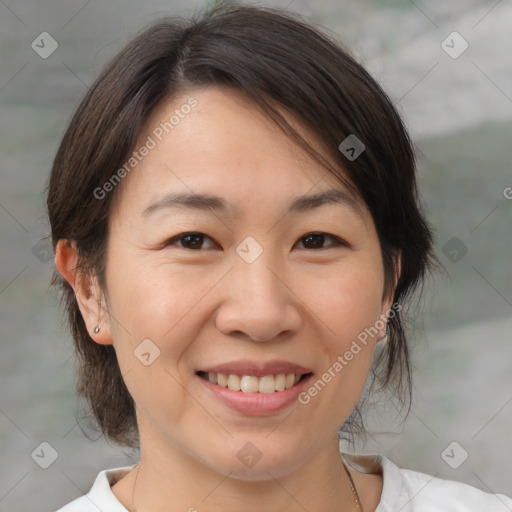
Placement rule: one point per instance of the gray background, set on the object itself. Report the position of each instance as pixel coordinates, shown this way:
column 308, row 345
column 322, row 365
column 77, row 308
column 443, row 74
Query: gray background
column 459, row 112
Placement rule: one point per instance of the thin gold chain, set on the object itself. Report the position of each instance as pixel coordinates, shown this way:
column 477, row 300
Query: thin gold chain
column 357, row 500
column 134, row 485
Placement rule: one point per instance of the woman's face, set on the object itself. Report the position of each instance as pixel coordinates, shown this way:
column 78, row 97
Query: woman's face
column 234, row 286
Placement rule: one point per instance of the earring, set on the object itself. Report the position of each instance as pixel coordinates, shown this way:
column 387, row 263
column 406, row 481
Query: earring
column 97, row 329
column 386, row 334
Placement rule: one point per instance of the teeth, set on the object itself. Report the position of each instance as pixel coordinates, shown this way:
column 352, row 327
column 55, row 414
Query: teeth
column 251, row 384
column 267, row 384
column 222, row 379
column 281, row 381
column 234, row 382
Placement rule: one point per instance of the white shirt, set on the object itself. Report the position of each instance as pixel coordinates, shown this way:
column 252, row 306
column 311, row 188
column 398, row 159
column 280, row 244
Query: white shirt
column 403, row 491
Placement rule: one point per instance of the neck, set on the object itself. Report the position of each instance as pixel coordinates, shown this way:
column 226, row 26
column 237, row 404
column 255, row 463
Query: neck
column 169, row 480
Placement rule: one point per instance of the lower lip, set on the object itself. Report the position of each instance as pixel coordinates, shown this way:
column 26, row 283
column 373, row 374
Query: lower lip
column 256, row 404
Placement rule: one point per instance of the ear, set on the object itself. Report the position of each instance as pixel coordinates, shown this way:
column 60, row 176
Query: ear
column 387, row 302
column 87, row 291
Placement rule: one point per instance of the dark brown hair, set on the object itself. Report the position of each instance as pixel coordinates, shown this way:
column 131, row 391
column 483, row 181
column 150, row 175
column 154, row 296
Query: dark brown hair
column 279, row 60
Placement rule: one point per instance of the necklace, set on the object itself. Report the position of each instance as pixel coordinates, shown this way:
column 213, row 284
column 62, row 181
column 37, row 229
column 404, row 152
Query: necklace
column 357, row 500
column 133, row 509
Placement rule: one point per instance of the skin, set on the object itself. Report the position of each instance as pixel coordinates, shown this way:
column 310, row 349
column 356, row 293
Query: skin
column 205, row 306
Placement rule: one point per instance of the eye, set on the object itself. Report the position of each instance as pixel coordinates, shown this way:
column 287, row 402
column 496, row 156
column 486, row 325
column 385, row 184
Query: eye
column 316, row 241
column 193, row 241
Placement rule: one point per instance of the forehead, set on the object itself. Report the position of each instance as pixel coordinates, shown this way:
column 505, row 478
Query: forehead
column 216, row 140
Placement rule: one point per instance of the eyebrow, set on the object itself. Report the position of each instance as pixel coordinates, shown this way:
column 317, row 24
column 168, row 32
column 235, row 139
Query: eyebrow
column 207, row 202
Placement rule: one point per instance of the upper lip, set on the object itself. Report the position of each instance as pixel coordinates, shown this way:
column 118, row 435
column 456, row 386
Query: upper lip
column 257, row 368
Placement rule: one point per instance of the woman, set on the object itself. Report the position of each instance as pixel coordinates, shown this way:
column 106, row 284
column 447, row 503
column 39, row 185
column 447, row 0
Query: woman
column 237, row 229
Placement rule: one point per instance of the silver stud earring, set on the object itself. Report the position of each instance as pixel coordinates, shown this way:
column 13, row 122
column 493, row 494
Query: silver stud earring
column 97, row 329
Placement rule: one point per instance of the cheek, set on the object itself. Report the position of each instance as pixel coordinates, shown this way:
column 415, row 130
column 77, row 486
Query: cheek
column 154, row 296
column 349, row 309
column 160, row 304
column 151, row 332
column 349, row 305
column 348, row 302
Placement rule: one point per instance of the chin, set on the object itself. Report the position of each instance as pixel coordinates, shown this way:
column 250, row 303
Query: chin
column 250, row 464
column 259, row 473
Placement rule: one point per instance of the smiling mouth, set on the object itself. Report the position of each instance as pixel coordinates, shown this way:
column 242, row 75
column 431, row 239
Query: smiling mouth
column 251, row 384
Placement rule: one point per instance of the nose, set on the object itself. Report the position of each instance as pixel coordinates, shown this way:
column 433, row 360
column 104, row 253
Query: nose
column 258, row 302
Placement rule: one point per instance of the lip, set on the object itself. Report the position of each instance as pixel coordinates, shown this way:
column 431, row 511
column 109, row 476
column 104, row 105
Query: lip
column 257, row 369
column 256, row 404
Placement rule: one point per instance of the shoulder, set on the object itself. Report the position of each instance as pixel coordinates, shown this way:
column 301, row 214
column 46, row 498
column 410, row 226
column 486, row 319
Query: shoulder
column 412, row 491
column 82, row 504
column 100, row 497
column 426, row 492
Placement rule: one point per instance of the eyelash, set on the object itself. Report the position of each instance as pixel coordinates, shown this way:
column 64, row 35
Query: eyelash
column 181, row 236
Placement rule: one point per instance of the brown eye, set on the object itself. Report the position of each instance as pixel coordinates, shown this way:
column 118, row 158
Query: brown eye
column 193, row 241
column 317, row 240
